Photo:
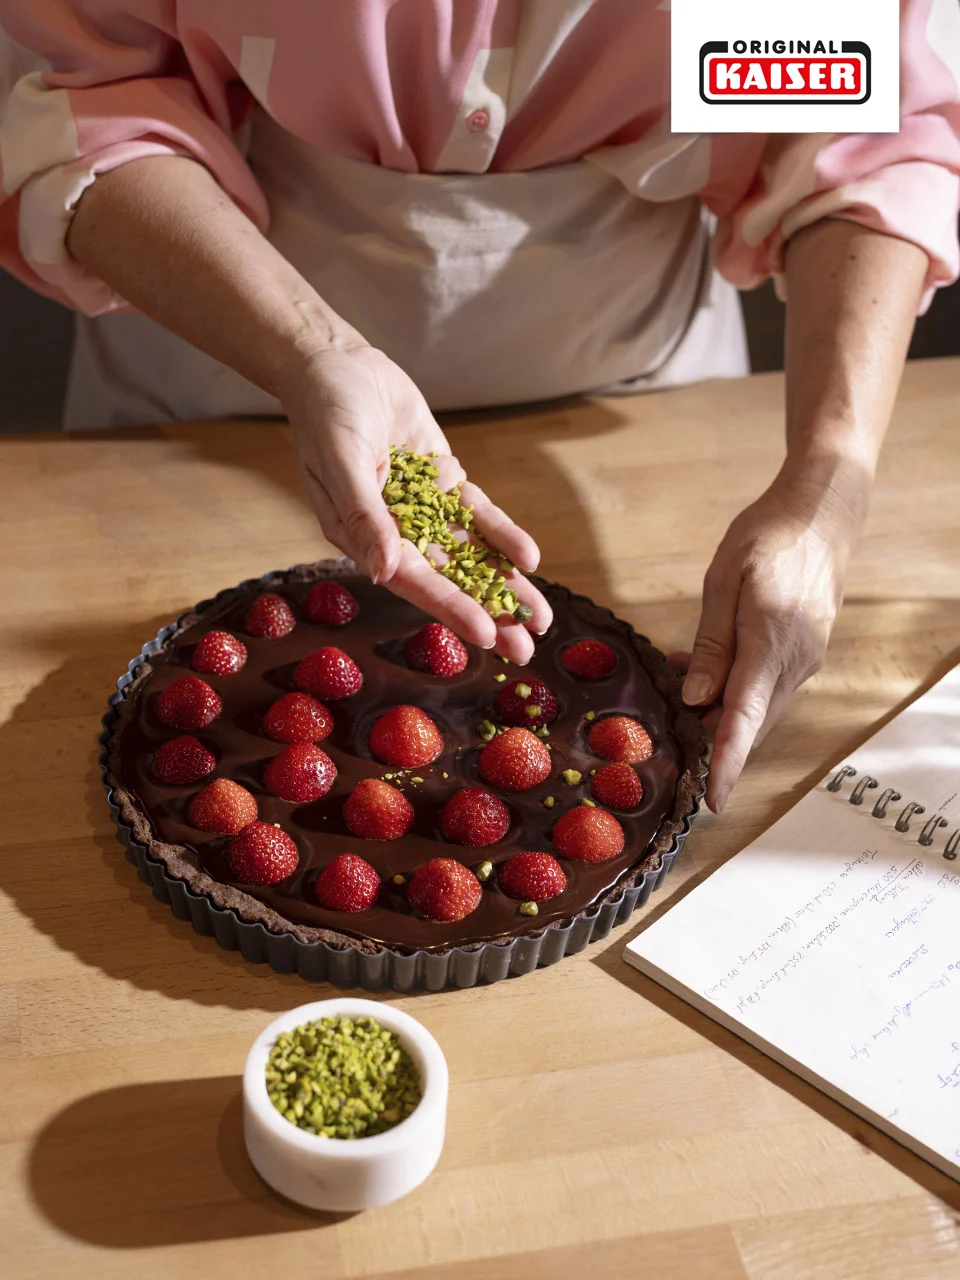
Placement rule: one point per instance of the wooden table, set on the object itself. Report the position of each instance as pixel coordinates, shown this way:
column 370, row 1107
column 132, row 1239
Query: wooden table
column 597, row 1125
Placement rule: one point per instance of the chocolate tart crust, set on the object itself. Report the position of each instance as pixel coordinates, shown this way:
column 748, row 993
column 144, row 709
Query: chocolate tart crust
column 183, row 863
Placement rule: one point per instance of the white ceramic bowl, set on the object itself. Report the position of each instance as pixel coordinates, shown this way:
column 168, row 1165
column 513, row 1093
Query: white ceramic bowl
column 336, row 1174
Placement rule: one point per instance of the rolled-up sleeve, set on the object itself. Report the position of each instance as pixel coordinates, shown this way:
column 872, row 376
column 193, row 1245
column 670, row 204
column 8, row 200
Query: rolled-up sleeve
column 114, row 86
column 905, row 184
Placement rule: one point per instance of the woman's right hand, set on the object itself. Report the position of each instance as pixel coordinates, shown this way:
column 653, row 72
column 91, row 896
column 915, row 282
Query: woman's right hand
column 348, row 404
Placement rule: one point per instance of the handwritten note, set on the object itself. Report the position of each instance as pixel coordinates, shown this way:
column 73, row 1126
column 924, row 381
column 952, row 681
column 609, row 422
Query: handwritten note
column 833, row 942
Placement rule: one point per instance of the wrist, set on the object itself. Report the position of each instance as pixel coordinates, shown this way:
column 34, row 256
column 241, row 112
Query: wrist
column 831, row 485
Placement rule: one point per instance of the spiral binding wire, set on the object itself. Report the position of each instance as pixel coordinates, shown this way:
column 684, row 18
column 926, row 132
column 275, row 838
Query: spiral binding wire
column 910, row 810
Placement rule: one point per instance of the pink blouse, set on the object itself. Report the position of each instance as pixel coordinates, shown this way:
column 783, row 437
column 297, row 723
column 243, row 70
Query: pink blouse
column 438, row 86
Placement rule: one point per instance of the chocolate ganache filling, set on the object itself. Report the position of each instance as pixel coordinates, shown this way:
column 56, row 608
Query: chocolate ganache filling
column 375, row 640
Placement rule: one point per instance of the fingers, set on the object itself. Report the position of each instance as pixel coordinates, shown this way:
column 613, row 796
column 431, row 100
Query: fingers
column 350, row 487
column 715, row 643
column 429, row 590
column 749, row 690
column 496, row 527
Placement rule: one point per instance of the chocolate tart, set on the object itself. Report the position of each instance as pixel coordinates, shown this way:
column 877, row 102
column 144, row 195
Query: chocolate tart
column 389, row 945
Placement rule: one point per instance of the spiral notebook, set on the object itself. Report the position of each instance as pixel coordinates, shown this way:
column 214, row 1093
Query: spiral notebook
column 832, row 942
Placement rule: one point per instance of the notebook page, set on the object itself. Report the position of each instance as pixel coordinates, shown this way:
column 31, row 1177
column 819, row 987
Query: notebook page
column 918, row 752
column 833, row 943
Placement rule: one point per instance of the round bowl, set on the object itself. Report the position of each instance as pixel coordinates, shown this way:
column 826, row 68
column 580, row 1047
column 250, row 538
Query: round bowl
column 345, row 1175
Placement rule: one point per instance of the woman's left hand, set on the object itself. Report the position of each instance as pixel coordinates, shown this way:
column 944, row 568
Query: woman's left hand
column 770, row 598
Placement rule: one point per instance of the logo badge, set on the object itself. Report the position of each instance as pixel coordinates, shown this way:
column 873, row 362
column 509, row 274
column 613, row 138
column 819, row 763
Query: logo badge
column 809, row 66
column 765, row 71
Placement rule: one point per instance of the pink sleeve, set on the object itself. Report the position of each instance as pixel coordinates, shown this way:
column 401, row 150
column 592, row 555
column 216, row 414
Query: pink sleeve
column 115, row 87
column 905, row 184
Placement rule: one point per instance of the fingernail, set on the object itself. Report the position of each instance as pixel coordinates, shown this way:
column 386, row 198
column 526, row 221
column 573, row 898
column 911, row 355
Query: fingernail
column 721, row 799
column 696, row 689
column 491, row 645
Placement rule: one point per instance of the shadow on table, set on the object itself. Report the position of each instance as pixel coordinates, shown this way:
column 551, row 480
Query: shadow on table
column 122, row 930
column 157, row 1164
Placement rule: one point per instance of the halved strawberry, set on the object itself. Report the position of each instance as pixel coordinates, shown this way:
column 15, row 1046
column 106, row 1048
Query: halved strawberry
column 406, row 737
column 532, row 877
column 270, row 617
column 444, row 890
column 300, row 773
column 475, row 817
column 223, row 806
column 262, row 854
column 376, row 811
column 618, row 786
column 515, row 760
column 621, row 738
column 182, row 760
column 348, row 883
column 331, row 604
column 220, row 654
column 590, row 659
column 329, row 673
column 588, row 835
column 296, row 717
column 527, row 702
column 188, row 703
column 437, row 650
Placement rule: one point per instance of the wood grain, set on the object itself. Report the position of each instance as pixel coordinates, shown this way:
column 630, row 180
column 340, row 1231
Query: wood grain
column 597, row 1124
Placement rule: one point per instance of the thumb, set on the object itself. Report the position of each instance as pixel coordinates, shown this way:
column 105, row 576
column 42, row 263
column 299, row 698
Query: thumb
column 715, row 645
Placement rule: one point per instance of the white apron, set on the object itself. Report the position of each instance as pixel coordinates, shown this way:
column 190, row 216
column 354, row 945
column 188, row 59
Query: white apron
column 487, row 289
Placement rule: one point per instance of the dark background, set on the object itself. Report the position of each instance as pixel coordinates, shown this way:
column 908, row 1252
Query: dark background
column 35, row 340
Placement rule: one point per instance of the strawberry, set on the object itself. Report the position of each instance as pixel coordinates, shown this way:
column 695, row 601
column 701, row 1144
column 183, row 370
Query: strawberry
column 590, row 659
column 588, row 835
column 270, row 617
column 515, row 760
column 436, row 650
column 618, row 786
column 262, row 854
column 188, row 703
column 475, row 817
column 621, row 738
column 331, row 604
column 296, row 717
column 376, row 811
column 182, row 760
column 220, row 654
column 444, row 890
column 348, row 883
column 525, row 702
column 532, row 877
column 223, row 806
column 300, row 773
column 328, row 673
column 407, row 737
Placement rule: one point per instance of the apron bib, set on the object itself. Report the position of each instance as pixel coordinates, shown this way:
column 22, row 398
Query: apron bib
column 487, row 289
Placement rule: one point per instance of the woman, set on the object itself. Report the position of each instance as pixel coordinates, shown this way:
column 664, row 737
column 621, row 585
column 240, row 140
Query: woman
column 360, row 213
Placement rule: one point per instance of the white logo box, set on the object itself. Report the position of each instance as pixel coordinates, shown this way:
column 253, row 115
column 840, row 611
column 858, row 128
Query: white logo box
column 753, row 66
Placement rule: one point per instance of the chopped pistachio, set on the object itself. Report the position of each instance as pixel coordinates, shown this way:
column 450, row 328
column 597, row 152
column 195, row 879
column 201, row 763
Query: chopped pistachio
column 339, row 1077
column 533, row 710
column 523, row 690
column 529, row 909
column 572, row 777
column 591, row 804
column 589, row 715
column 487, row 730
column 427, row 516
column 542, row 732
column 500, row 677
column 416, row 779
column 523, row 613
column 549, row 801
column 484, row 871
column 444, row 774
column 399, row 878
